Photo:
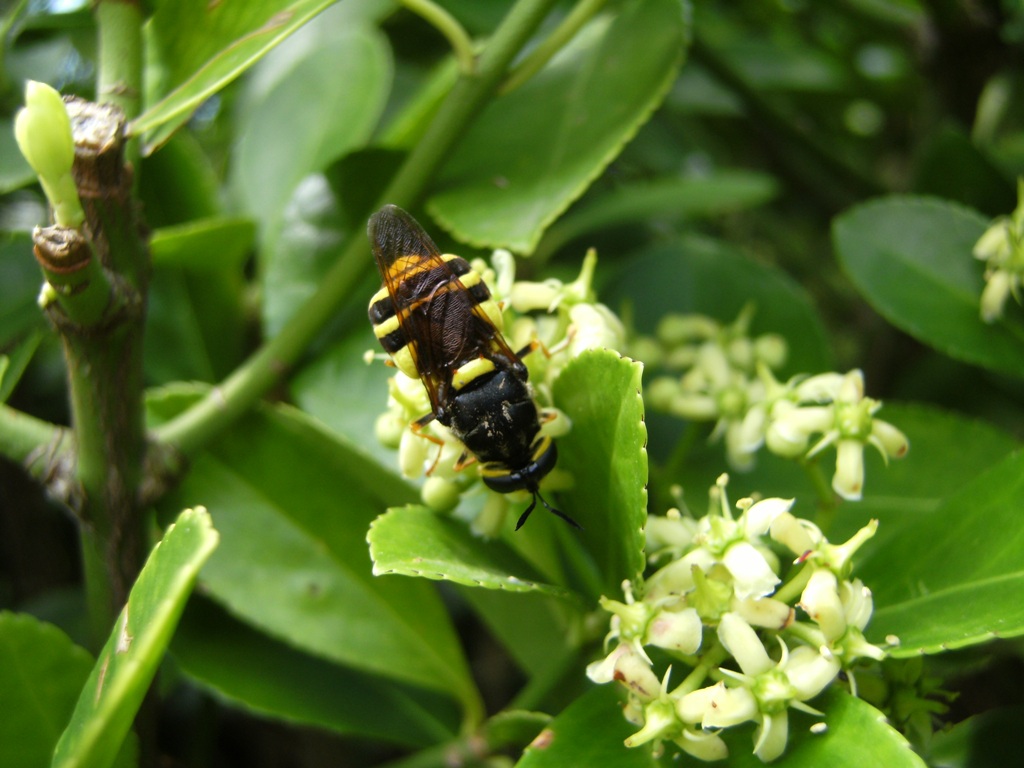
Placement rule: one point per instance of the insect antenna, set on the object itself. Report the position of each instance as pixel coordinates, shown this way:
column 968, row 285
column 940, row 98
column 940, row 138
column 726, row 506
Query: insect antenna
column 557, row 512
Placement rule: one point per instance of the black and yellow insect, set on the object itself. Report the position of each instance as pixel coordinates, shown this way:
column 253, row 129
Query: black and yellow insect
column 436, row 319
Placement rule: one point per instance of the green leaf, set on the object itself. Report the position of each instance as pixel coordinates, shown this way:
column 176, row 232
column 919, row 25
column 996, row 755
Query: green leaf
column 212, row 245
column 40, row 678
column 414, row 541
column 911, row 259
column 900, row 494
column 15, row 172
column 304, row 120
column 126, row 666
column 345, row 394
column 196, row 48
column 220, row 653
column 699, row 275
column 196, row 315
column 718, row 193
column 605, row 454
column 986, row 740
column 768, row 65
column 558, row 131
column 857, row 735
column 293, row 504
column 19, row 286
column 589, row 732
column 534, row 628
column 956, row 577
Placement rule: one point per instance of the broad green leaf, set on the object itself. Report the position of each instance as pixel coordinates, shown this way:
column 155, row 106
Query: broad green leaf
column 19, row 286
column 414, row 541
column 178, row 184
column 327, row 88
column 344, row 393
column 857, row 736
column 589, row 732
column 534, row 628
column 900, row 495
column 217, row 244
column 221, row 654
column 987, row 740
column 606, row 456
column 41, row 675
column 956, row 577
column 952, row 165
column 911, row 259
column 718, row 193
column 535, row 150
column 703, row 276
column 130, row 658
column 15, row 172
column 196, row 48
column 768, row 65
column 196, row 315
column 293, row 504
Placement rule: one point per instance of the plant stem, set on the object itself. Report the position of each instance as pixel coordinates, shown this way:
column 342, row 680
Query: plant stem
column 826, row 509
column 104, row 363
column 714, row 656
column 581, row 13
column 22, row 437
column 193, row 428
column 119, row 76
column 448, row 26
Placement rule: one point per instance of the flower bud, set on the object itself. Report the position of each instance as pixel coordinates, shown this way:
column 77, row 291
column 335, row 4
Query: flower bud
column 820, row 600
column 742, row 642
column 675, row 630
column 440, row 494
column 43, row 132
column 848, row 480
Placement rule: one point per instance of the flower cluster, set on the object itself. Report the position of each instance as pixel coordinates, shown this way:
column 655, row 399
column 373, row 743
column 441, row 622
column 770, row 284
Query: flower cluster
column 755, row 645
column 564, row 320
column 728, row 377
column 1002, row 250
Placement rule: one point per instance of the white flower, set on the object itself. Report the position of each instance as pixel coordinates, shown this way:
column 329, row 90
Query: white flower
column 820, row 600
column 752, row 575
column 675, row 630
column 628, row 667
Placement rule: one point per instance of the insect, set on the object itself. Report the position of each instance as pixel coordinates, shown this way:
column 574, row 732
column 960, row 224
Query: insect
column 436, row 319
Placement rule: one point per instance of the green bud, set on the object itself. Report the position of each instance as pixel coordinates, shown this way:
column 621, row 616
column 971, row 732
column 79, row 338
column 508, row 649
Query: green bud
column 43, row 131
column 440, row 495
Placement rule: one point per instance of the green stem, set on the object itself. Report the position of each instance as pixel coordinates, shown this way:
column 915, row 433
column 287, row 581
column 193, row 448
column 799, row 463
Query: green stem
column 75, row 278
column 794, row 586
column 448, row 26
column 194, row 427
column 714, row 656
column 119, row 71
column 23, row 437
column 827, row 504
column 104, row 362
column 581, row 13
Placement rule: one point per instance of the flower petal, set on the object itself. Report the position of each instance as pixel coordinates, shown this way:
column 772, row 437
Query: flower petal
column 752, row 575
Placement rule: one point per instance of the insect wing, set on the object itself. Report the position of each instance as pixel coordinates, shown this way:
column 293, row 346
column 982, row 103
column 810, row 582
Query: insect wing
column 403, row 250
column 439, row 304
